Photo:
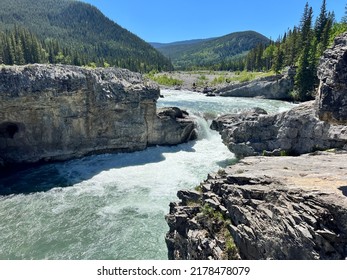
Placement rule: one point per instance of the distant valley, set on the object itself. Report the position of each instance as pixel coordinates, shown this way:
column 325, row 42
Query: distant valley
column 208, row 52
column 73, row 32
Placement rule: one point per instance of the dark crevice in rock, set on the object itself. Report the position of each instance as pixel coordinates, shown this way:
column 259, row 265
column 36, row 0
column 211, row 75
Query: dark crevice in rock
column 60, row 112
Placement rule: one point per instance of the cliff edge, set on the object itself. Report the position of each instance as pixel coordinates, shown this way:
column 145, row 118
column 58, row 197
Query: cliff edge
column 59, row 112
column 274, row 207
column 265, row 208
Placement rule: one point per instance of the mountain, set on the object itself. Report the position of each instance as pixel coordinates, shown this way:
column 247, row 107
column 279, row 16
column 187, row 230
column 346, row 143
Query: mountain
column 207, row 52
column 82, row 28
column 178, row 43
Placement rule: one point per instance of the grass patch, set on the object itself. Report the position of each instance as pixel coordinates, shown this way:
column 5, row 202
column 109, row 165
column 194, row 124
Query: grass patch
column 198, row 188
column 246, row 76
column 230, row 249
column 164, row 79
column 212, row 213
column 219, row 80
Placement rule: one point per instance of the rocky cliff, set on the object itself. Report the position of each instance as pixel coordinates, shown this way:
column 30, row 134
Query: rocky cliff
column 332, row 93
column 277, row 207
column 265, row 208
column 60, row 112
column 274, row 87
column 295, row 132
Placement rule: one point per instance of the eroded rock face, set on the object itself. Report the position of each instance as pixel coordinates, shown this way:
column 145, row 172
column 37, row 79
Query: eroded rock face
column 332, row 95
column 60, row 112
column 274, row 87
column 277, row 208
column 297, row 131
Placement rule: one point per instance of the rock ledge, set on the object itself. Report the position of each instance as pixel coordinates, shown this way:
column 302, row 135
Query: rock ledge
column 59, row 112
column 277, row 208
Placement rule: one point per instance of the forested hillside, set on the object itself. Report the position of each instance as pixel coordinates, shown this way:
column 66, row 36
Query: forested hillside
column 166, row 46
column 71, row 32
column 301, row 47
column 210, row 52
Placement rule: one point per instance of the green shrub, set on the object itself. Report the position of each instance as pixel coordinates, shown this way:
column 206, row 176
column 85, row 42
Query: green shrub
column 218, row 80
column 231, row 250
column 164, row 79
column 198, row 188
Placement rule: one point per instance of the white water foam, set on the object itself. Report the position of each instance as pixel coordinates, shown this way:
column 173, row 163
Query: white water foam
column 112, row 206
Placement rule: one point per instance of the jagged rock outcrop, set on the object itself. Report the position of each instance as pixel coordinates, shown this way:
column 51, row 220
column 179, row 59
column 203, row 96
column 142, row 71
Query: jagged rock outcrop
column 273, row 87
column 297, row 131
column 332, row 93
column 273, row 207
column 60, row 112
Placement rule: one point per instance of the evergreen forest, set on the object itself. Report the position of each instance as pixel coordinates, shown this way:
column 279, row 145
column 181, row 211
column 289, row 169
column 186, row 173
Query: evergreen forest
column 300, row 47
column 70, row 32
column 200, row 54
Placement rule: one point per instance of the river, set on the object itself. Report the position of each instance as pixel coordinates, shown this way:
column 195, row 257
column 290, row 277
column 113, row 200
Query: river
column 113, row 206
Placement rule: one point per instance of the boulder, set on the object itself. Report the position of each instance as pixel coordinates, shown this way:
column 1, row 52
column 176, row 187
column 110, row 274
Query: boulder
column 59, row 112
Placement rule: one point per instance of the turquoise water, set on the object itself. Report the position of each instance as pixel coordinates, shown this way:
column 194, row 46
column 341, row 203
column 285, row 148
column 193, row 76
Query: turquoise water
column 112, row 206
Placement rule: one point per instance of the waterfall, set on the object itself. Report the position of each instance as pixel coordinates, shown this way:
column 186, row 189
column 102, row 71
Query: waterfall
column 112, row 206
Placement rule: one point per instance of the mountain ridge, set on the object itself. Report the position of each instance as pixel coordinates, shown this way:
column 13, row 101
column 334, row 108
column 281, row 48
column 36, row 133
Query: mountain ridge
column 178, row 43
column 85, row 29
column 210, row 51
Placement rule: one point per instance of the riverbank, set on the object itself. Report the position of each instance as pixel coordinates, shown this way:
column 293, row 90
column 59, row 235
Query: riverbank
column 204, row 80
column 274, row 207
column 231, row 84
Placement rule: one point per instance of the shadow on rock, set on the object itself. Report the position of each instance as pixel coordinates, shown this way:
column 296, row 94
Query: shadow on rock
column 344, row 190
column 60, row 175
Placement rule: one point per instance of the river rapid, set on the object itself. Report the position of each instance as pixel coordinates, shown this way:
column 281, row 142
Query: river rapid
column 113, row 206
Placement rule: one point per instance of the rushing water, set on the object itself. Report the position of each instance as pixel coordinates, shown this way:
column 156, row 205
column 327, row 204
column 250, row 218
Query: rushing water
column 112, row 206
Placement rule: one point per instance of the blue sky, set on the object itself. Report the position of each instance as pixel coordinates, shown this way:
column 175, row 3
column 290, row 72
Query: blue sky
column 176, row 20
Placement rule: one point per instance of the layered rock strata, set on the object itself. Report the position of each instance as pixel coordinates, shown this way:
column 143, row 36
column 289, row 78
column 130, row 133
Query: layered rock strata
column 302, row 129
column 275, row 87
column 297, row 131
column 274, row 208
column 61, row 112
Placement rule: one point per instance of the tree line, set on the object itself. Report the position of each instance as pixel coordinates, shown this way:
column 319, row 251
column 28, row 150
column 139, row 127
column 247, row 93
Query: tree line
column 71, row 32
column 19, row 46
column 301, row 47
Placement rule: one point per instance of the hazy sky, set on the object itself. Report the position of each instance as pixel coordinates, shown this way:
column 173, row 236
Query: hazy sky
column 175, row 20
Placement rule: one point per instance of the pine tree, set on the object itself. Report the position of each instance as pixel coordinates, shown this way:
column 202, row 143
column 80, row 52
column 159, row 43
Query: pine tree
column 306, row 77
column 293, row 47
column 321, row 21
column 344, row 18
column 278, row 59
column 325, row 36
column 268, row 56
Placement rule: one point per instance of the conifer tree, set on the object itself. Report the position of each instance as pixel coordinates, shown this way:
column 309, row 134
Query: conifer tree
column 278, row 59
column 321, row 21
column 323, row 43
column 344, row 18
column 305, row 77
